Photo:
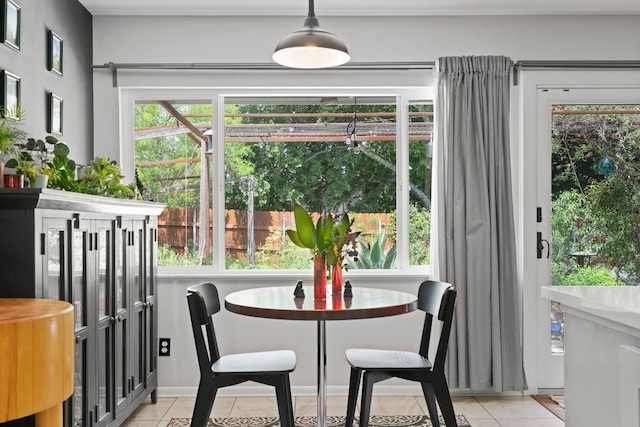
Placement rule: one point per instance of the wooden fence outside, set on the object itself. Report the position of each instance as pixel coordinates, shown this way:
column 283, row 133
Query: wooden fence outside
column 179, row 228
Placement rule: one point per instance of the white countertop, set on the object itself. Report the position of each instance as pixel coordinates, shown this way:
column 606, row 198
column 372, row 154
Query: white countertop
column 620, row 304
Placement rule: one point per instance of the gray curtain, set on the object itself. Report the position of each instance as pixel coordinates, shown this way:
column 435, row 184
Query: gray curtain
column 472, row 226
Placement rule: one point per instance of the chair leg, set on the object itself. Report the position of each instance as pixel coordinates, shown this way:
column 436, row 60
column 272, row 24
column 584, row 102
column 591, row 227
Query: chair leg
column 285, row 402
column 365, row 400
column 354, row 386
column 444, row 401
column 429, row 396
column 204, row 403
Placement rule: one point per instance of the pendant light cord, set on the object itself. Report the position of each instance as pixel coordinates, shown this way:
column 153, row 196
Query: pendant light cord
column 311, row 21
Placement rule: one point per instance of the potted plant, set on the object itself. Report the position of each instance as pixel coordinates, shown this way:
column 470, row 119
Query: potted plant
column 44, row 160
column 103, row 177
column 10, row 135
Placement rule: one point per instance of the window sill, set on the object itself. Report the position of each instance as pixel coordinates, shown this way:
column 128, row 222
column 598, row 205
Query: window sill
column 279, row 277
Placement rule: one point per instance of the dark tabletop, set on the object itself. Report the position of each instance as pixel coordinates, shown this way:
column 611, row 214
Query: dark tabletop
column 279, row 303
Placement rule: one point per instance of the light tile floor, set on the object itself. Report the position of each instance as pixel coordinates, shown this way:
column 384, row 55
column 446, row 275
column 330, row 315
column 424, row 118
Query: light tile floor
column 479, row 411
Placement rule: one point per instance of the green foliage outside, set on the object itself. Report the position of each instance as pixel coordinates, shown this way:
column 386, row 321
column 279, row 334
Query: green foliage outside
column 168, row 257
column 419, row 234
column 325, row 177
column 596, row 216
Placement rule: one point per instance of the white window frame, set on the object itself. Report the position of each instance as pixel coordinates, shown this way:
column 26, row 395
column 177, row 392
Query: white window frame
column 404, row 97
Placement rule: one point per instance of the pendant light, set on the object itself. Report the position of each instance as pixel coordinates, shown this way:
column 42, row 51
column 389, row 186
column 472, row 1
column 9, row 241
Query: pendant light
column 310, row 47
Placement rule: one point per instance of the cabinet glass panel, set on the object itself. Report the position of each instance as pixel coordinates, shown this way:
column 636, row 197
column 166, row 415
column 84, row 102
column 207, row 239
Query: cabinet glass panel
column 79, row 290
column 103, row 272
column 137, row 344
column 79, row 403
column 55, row 247
column 103, row 373
column 151, row 340
column 121, row 362
column 149, row 262
column 120, row 266
column 137, row 264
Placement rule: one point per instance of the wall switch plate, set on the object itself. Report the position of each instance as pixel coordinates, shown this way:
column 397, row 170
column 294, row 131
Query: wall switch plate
column 165, row 347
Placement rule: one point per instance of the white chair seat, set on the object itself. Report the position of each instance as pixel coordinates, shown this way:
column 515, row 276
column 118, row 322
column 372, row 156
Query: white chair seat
column 368, row 359
column 259, row 362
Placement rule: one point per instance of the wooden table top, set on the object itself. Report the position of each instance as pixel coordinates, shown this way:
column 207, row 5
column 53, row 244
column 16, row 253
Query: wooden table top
column 21, row 309
column 279, row 303
column 36, row 358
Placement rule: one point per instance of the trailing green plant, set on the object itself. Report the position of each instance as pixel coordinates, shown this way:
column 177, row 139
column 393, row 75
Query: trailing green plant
column 103, row 177
column 373, row 255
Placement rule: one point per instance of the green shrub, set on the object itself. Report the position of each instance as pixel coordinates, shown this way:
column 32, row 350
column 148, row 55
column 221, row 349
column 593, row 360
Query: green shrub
column 587, row 276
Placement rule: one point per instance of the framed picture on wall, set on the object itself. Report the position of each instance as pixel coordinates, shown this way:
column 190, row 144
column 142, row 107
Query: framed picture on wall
column 54, row 123
column 11, row 24
column 54, row 53
column 10, row 96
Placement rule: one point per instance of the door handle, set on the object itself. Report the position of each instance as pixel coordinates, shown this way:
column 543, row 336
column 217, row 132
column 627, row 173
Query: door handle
column 540, row 245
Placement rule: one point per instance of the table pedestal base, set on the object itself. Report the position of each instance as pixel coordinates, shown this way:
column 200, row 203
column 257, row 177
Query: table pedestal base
column 51, row 417
column 322, row 374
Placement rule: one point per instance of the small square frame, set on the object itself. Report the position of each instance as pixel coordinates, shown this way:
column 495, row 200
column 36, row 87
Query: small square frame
column 54, row 116
column 10, row 96
column 11, row 24
column 54, row 53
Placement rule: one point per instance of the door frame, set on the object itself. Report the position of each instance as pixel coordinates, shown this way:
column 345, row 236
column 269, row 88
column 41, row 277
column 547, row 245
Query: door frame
column 584, row 86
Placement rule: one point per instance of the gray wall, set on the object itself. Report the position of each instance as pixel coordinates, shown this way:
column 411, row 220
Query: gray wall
column 251, row 40
column 73, row 23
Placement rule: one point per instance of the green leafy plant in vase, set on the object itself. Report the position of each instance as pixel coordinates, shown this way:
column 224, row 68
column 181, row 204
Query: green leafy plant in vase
column 329, row 242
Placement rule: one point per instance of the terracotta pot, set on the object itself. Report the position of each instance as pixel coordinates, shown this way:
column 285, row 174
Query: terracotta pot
column 13, row 181
column 319, row 277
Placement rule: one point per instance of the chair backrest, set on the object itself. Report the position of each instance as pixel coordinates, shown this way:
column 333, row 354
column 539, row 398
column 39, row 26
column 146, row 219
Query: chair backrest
column 438, row 301
column 203, row 303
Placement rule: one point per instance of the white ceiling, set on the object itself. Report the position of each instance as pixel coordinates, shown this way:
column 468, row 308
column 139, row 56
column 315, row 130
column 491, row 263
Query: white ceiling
column 362, row 7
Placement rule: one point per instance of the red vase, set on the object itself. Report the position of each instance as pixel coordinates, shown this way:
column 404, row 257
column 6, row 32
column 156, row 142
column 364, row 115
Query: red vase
column 319, row 277
column 336, row 279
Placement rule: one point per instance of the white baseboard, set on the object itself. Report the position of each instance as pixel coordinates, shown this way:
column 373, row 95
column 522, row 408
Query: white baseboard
column 260, row 390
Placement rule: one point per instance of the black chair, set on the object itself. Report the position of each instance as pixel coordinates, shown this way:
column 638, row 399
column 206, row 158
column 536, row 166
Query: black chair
column 436, row 299
column 216, row 371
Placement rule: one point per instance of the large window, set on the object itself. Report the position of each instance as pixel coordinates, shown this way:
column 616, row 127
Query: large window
column 262, row 154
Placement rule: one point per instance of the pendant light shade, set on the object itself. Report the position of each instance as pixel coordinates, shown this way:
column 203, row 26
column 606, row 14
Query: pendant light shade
column 310, row 47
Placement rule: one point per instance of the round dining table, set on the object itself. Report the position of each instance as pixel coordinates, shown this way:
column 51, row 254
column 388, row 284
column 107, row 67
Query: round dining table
column 280, row 303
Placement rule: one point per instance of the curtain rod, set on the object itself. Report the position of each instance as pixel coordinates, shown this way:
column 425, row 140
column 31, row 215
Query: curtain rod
column 576, row 64
column 375, row 66
column 264, row 66
column 571, row 65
